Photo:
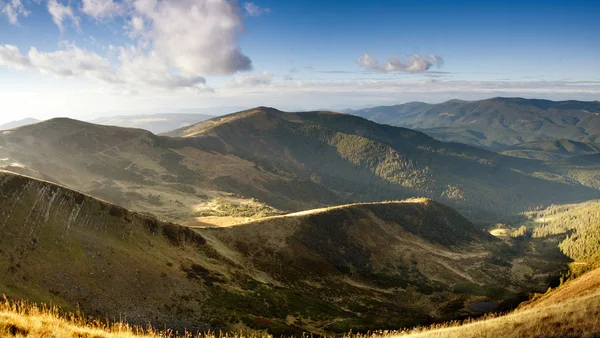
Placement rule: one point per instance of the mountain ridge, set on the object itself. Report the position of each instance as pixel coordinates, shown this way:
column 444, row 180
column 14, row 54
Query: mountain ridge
column 496, row 122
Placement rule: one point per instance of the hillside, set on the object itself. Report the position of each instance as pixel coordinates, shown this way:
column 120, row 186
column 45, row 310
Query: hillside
column 155, row 123
column 495, row 123
column 571, row 310
column 139, row 170
column 363, row 266
column 577, row 224
column 553, row 150
column 360, row 159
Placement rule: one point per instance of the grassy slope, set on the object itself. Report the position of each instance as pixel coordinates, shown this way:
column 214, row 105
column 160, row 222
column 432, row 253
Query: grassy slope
column 392, row 265
column 496, row 122
column 572, row 310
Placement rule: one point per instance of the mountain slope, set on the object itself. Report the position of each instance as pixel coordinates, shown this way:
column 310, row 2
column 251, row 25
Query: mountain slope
column 358, row 157
column 155, row 123
column 551, row 150
column 497, row 122
column 571, row 310
column 365, row 266
column 137, row 169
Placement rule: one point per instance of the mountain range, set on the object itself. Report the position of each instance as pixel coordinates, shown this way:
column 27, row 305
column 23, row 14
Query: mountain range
column 292, row 222
column 495, row 123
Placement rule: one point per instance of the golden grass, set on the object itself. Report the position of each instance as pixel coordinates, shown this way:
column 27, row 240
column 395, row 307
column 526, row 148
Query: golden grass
column 22, row 319
column 576, row 317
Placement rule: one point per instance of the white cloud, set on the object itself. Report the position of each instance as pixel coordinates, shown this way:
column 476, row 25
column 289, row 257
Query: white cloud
column 13, row 9
column 197, row 37
column 137, row 26
column 100, row 9
column 264, row 79
column 135, row 71
column 11, row 56
column 72, row 61
column 254, row 10
column 151, row 70
column 414, row 64
column 60, row 12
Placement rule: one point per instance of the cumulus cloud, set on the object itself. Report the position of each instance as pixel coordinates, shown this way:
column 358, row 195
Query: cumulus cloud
column 151, row 70
column 67, row 62
column 254, row 10
column 60, row 12
column 174, row 44
column 198, row 37
column 264, row 79
column 414, row 64
column 135, row 71
column 11, row 56
column 99, row 9
column 13, row 9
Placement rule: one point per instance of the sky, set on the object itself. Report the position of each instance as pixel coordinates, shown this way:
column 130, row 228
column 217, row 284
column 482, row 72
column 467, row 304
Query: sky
column 92, row 58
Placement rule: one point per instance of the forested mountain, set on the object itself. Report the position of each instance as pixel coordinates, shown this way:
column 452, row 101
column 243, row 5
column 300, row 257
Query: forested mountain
column 495, row 123
column 553, row 150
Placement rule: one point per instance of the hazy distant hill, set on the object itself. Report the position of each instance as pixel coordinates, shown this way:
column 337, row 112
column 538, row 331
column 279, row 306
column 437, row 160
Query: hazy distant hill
column 19, row 123
column 363, row 266
column 497, row 122
column 156, row 123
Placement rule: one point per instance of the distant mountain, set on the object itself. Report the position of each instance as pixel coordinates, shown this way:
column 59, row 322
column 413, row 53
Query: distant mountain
column 19, row 123
column 553, row 150
column 156, row 123
column 495, row 123
column 363, row 266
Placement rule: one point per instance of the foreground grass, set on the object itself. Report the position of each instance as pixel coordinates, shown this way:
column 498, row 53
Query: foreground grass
column 573, row 310
column 21, row 319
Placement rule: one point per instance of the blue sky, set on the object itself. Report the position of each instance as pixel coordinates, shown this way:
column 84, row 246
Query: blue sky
column 100, row 57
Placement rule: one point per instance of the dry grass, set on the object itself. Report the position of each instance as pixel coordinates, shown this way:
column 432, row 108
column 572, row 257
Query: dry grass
column 22, row 319
column 575, row 317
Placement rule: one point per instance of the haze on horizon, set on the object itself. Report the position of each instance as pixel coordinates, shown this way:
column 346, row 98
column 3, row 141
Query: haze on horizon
column 92, row 58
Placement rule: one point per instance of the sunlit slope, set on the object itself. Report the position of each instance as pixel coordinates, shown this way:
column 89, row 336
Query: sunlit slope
column 572, row 310
column 553, row 150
